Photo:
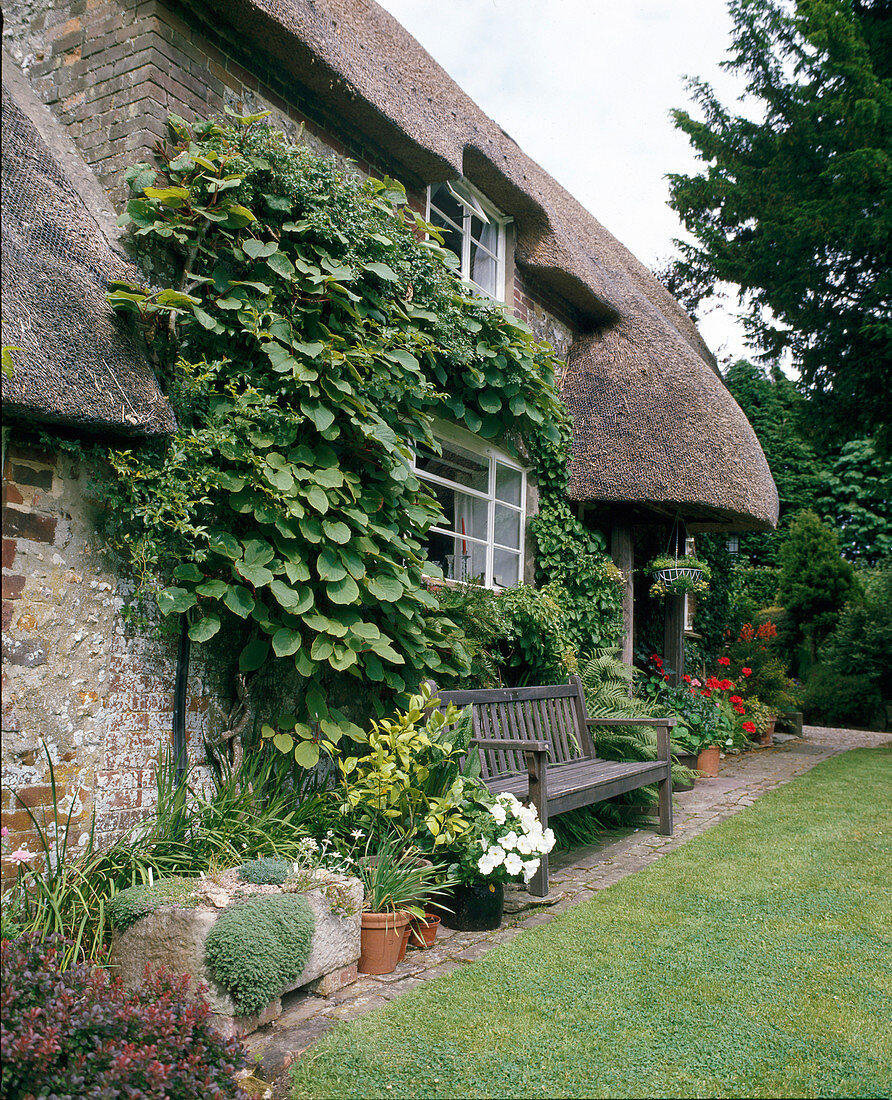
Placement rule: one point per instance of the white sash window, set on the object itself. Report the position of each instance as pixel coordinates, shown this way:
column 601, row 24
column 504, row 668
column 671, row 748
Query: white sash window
column 482, row 493
column 474, row 231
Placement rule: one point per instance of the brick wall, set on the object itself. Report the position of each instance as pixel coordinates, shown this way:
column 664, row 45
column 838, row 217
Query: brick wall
column 74, row 675
column 113, row 70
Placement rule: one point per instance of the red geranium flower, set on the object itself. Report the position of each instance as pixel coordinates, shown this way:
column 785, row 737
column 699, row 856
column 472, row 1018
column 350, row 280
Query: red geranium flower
column 749, row 727
column 726, row 685
column 706, row 692
column 736, row 700
column 724, row 660
column 746, row 672
column 686, row 679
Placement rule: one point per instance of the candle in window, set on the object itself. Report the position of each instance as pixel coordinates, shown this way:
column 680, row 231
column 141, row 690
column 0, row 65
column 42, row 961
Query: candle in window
column 464, row 545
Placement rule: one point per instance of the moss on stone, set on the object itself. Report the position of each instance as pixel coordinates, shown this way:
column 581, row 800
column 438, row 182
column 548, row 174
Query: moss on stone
column 136, row 902
column 258, row 946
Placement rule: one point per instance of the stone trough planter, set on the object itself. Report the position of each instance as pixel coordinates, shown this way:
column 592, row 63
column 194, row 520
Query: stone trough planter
column 174, row 936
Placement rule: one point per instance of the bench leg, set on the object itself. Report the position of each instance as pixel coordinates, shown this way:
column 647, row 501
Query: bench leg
column 665, row 787
column 538, row 886
column 538, row 797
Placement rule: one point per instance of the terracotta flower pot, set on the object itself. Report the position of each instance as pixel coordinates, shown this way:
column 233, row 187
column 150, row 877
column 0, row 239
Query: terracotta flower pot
column 767, row 737
column 381, row 937
column 708, row 762
column 423, row 932
column 477, row 907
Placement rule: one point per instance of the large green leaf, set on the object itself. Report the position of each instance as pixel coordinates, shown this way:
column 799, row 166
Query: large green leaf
column 329, row 565
column 322, row 648
column 259, row 249
column 342, row 658
column 239, row 600
column 171, row 600
column 253, row 655
column 258, row 575
column 317, row 498
column 306, row 754
column 336, row 531
column 385, row 588
column 344, row 591
column 286, row 642
column 205, row 628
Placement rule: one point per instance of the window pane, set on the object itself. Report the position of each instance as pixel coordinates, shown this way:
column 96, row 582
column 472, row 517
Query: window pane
column 458, row 465
column 460, row 559
column 507, row 526
column 463, row 514
column 505, row 568
column 452, row 238
column 484, row 270
column 446, row 202
column 509, row 484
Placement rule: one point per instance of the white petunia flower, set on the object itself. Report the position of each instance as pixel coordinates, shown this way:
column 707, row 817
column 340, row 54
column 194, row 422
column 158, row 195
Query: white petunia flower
column 496, row 854
column 524, row 845
column 509, row 840
column 513, row 864
column 529, row 869
column 498, row 812
column 549, row 839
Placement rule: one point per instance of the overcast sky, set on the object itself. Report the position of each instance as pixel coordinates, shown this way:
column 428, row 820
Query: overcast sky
column 585, row 87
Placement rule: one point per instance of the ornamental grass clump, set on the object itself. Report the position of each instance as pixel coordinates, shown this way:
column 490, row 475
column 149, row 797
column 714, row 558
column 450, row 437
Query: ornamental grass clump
column 257, row 947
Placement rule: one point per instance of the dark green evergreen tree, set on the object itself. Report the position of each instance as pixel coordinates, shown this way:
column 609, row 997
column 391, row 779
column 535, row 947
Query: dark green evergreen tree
column 794, row 208
column 815, row 582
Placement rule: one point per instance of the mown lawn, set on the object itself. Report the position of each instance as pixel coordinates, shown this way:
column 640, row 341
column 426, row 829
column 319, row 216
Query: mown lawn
column 755, row 961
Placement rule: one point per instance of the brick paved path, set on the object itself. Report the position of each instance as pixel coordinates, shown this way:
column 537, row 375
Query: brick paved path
column 575, row 877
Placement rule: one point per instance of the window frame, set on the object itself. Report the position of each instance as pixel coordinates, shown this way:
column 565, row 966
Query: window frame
column 474, row 203
column 495, row 456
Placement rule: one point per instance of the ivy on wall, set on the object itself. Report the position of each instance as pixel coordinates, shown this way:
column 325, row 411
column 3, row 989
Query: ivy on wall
column 312, row 333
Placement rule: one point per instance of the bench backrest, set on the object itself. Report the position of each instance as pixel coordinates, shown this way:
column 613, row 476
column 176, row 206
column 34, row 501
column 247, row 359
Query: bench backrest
column 553, row 713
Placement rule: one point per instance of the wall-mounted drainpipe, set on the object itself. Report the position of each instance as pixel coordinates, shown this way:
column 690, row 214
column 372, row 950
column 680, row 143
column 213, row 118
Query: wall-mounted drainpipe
column 179, row 700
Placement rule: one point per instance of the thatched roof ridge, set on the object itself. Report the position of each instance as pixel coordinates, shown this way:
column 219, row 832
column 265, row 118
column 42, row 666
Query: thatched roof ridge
column 75, row 365
column 367, row 71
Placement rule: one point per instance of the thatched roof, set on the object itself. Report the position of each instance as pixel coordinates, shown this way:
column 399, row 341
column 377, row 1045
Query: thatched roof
column 680, row 440
column 75, row 364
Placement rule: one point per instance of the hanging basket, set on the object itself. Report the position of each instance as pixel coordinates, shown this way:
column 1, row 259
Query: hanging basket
column 674, row 577
column 671, row 577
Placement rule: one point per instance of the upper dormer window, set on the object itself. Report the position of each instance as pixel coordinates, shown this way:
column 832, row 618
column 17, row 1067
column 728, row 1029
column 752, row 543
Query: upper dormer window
column 472, row 229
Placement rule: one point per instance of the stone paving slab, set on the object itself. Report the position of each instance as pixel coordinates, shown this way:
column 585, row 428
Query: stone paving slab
column 575, row 877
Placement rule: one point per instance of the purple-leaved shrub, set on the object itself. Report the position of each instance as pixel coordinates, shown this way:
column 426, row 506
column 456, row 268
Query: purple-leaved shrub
column 78, row 1034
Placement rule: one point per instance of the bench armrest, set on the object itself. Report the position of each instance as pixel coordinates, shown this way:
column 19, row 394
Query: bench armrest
column 663, row 725
column 510, row 743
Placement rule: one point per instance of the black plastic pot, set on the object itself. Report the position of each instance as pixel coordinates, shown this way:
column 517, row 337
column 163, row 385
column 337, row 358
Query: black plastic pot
column 476, row 908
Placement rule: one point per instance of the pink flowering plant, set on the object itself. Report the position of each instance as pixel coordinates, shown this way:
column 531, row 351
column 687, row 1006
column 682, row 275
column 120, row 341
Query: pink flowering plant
column 506, row 841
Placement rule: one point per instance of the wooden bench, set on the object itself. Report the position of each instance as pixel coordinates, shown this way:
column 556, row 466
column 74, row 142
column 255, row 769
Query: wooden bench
column 536, row 742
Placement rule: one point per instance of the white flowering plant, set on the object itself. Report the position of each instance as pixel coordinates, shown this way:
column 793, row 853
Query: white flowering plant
column 506, row 841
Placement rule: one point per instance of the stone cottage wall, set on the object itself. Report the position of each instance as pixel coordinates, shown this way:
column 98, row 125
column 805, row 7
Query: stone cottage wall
column 98, row 693
column 75, row 676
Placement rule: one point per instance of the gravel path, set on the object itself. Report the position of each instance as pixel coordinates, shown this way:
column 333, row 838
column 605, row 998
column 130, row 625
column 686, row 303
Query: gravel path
column 575, row 877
